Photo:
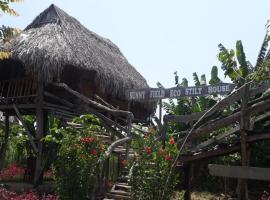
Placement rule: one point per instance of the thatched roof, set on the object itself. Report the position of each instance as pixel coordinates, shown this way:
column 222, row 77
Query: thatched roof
column 55, row 39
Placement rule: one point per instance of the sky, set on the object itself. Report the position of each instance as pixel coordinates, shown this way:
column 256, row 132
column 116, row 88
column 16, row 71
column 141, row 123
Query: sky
column 159, row 37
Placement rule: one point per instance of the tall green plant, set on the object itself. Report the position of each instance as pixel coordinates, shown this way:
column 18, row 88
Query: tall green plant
column 76, row 165
column 150, row 168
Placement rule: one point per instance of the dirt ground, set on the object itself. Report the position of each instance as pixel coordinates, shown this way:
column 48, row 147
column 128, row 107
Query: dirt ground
column 19, row 187
column 209, row 196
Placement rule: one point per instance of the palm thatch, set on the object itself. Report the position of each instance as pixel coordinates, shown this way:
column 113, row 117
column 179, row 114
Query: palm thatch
column 55, row 41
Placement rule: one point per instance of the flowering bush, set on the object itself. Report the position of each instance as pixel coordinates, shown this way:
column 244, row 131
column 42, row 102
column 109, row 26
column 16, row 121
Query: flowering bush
column 150, row 168
column 15, row 172
column 11, row 172
column 76, row 165
column 265, row 196
column 7, row 195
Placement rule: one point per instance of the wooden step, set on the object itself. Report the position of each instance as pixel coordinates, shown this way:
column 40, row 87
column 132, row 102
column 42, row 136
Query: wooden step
column 122, row 150
column 123, row 178
column 120, row 192
column 118, row 195
column 122, row 186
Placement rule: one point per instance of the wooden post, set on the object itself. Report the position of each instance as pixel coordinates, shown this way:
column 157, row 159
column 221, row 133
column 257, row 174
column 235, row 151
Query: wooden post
column 5, row 142
column 187, row 178
column 40, row 133
column 128, row 134
column 106, row 174
column 160, row 109
column 163, row 133
column 244, row 125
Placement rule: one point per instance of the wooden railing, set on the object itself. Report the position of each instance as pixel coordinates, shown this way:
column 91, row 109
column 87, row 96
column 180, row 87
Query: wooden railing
column 17, row 90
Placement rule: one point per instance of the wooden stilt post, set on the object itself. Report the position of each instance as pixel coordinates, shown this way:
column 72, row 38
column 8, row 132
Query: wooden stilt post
column 5, row 142
column 187, row 178
column 163, row 133
column 160, row 109
column 244, row 125
column 106, row 174
column 40, row 133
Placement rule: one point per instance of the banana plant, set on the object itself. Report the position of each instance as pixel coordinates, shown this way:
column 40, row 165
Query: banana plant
column 234, row 63
column 239, row 69
column 188, row 105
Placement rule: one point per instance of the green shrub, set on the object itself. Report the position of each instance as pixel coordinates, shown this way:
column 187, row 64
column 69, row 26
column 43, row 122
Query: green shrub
column 150, row 168
column 76, row 165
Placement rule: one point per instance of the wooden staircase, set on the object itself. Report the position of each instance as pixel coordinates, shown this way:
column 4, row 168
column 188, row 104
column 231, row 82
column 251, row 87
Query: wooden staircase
column 120, row 189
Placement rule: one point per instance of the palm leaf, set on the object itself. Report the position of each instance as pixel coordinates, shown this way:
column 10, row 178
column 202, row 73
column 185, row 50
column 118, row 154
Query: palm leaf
column 203, row 79
column 214, row 76
column 241, row 57
column 263, row 50
column 184, row 82
column 196, row 79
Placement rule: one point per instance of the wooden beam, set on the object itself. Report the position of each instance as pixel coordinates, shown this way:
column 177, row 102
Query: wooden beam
column 217, row 138
column 233, row 118
column 242, row 172
column 61, row 100
column 183, row 118
column 28, row 132
column 258, row 137
column 19, row 106
column 223, row 151
column 104, row 102
column 208, row 154
column 258, row 90
column 231, row 132
column 216, row 124
column 96, row 105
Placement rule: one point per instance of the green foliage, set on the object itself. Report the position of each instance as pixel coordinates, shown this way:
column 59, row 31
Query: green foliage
column 4, row 6
column 203, row 80
column 263, row 72
column 229, row 64
column 188, row 105
column 76, row 165
column 7, row 33
column 263, row 53
column 150, row 168
column 196, row 79
column 241, row 57
column 19, row 147
column 214, row 76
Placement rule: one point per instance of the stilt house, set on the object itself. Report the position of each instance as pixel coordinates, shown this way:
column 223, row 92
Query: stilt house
column 58, row 66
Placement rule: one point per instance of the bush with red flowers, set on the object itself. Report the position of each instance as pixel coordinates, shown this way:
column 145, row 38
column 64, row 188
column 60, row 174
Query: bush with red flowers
column 265, row 196
column 76, row 164
column 12, row 172
column 7, row 195
column 150, row 167
column 16, row 172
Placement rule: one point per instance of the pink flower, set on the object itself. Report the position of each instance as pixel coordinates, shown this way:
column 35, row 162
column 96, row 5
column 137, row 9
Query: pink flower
column 93, row 152
column 171, row 141
column 168, row 157
column 148, row 150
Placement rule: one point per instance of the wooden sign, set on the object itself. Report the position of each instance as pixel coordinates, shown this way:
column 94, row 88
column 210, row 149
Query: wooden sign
column 240, row 172
column 178, row 92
